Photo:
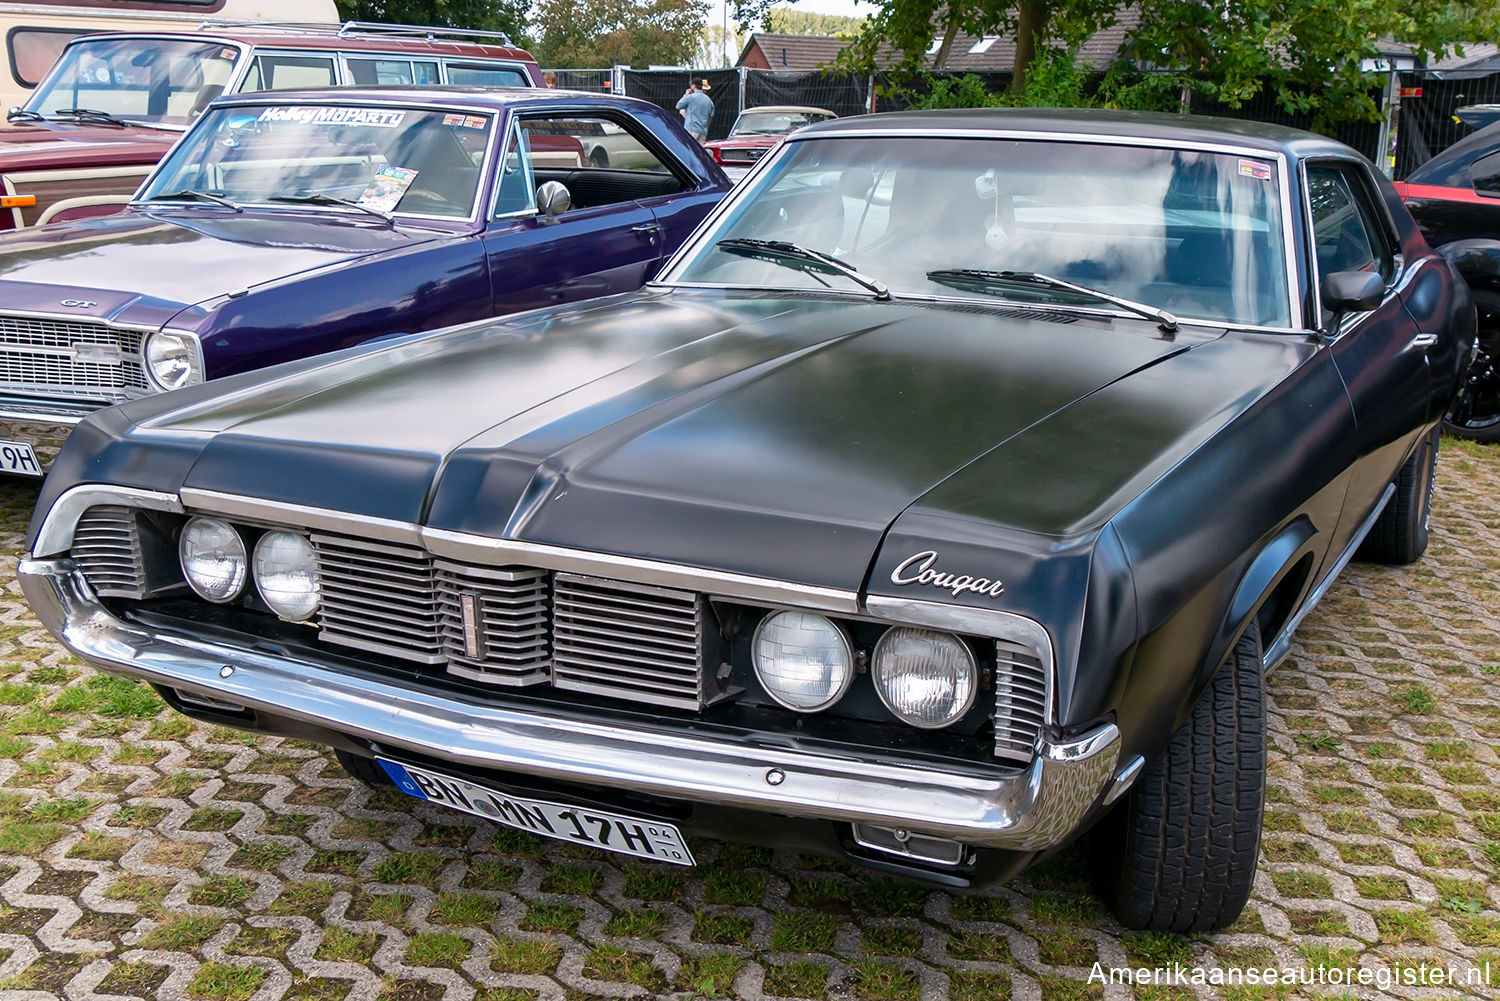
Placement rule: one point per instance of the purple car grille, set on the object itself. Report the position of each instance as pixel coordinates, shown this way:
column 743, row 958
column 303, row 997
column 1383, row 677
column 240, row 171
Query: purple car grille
column 67, row 358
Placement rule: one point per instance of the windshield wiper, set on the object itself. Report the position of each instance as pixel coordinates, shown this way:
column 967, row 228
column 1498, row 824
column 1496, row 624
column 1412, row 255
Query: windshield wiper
column 188, row 195
column 790, row 254
column 103, row 117
column 979, row 280
column 22, row 115
column 320, row 199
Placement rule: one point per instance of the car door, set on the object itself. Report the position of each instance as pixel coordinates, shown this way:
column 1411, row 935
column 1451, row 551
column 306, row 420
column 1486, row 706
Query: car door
column 1381, row 354
column 608, row 241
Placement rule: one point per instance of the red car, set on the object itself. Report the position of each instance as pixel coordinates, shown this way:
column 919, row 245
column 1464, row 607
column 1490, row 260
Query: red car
column 756, row 132
column 113, row 104
column 1455, row 198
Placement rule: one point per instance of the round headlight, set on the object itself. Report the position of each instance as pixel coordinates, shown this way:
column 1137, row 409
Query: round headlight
column 213, row 559
column 173, row 360
column 286, row 574
column 803, row 661
column 927, row 678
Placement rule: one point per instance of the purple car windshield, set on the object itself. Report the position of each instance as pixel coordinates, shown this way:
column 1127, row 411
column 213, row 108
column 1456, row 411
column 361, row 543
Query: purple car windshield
column 411, row 161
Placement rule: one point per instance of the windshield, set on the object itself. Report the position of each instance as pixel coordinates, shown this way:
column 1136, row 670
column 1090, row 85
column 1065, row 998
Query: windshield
column 1198, row 234
column 406, row 160
column 155, row 80
column 771, row 123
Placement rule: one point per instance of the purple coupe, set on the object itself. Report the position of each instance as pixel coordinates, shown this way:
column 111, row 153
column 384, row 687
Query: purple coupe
column 284, row 225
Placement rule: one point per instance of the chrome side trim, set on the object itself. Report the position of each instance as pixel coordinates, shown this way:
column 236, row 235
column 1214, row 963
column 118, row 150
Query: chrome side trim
column 1125, row 779
column 56, row 534
column 1277, row 650
column 990, row 622
column 1024, row 809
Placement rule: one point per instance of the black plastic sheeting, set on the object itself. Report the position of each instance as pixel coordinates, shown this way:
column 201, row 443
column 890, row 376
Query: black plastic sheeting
column 664, row 88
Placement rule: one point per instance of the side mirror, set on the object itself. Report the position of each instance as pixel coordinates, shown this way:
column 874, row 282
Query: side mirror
column 552, row 199
column 1350, row 292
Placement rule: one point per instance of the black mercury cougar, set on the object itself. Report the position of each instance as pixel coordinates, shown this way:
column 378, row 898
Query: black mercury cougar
column 948, row 496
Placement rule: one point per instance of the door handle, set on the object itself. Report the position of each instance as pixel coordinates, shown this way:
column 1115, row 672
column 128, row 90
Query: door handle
column 651, row 230
column 1424, row 340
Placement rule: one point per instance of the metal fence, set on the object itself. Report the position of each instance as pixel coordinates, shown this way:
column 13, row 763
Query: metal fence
column 1425, row 123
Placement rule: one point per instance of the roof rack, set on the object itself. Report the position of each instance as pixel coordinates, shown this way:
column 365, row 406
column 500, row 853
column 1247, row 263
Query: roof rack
column 363, row 29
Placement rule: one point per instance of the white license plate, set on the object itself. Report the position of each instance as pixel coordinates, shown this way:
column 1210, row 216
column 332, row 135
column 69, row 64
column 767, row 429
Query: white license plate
column 613, row 832
column 19, row 459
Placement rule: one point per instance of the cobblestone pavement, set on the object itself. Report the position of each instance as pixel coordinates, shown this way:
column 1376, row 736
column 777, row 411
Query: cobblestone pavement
column 145, row 855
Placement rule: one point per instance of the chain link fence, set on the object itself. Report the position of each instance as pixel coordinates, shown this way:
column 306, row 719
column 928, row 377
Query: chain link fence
column 1425, row 126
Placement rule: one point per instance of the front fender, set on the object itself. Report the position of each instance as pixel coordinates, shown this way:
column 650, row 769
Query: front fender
column 1477, row 261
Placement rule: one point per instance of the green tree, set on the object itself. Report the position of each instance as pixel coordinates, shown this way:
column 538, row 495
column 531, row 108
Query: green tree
column 508, row 16
column 791, row 21
column 598, row 33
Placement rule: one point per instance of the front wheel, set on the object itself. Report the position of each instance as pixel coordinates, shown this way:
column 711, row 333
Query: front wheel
column 1178, row 855
column 1476, row 411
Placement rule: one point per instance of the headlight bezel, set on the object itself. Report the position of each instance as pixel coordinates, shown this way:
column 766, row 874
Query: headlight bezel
column 837, row 693
column 974, row 682
column 258, row 574
column 241, row 578
column 191, row 353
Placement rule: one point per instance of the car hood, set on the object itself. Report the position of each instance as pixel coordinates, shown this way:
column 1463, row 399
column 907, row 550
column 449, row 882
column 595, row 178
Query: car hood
column 768, row 435
column 142, row 267
column 59, row 144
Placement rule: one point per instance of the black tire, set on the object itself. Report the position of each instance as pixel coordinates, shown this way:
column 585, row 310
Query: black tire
column 1399, row 536
column 1476, row 411
column 360, row 767
column 1178, row 855
column 599, row 158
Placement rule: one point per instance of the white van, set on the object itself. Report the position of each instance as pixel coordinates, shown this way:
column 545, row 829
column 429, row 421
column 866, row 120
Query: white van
column 35, row 33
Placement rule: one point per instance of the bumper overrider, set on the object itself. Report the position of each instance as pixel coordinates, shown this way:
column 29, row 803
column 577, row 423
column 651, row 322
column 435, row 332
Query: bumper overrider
column 1026, row 809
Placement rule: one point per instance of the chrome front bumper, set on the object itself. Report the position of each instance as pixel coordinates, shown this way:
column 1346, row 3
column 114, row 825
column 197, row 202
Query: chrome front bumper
column 1032, row 808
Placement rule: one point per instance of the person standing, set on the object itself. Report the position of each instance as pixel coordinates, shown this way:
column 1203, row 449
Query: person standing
column 697, row 108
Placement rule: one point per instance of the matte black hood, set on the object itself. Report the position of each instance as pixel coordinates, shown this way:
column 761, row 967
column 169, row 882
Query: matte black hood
column 776, row 436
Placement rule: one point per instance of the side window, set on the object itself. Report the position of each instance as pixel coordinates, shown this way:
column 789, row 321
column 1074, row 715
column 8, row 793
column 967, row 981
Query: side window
column 1347, row 231
column 1485, row 173
column 278, row 72
column 515, row 192
column 486, row 75
column 601, row 161
column 34, row 50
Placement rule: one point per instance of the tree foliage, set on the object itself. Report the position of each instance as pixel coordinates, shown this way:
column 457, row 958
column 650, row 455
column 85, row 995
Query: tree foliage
column 508, row 16
column 791, row 21
column 599, row 33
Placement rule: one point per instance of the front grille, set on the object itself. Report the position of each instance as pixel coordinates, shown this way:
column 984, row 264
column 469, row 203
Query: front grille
column 632, row 641
column 379, row 597
column 62, row 358
column 107, row 548
column 1020, row 701
column 512, row 625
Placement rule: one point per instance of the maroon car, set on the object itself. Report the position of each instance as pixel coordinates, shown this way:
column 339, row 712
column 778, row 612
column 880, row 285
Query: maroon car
column 113, row 104
column 756, row 132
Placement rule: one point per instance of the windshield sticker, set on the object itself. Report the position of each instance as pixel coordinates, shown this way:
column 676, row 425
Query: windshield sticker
column 476, row 122
column 1256, row 169
column 386, row 188
column 335, row 116
column 453, row 119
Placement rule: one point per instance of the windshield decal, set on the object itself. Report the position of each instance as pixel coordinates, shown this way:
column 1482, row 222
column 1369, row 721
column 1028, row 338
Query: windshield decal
column 386, row 188
column 378, row 118
column 1256, row 169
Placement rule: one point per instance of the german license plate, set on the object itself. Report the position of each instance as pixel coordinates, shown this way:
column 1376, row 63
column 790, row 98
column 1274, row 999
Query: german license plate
column 613, row 832
column 19, row 459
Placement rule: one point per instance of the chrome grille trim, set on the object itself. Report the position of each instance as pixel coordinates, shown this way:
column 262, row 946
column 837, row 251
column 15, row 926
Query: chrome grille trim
column 379, row 597
column 1020, row 701
column 511, row 625
column 39, row 356
column 107, row 546
column 630, row 641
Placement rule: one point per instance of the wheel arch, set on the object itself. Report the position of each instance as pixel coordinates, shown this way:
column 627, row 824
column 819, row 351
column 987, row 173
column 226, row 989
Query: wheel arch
column 1477, row 261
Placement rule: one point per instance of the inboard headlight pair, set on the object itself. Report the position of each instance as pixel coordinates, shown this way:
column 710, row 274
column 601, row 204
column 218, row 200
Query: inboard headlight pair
column 216, row 566
column 806, row 662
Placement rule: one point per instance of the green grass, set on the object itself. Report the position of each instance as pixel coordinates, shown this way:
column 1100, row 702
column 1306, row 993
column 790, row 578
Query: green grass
column 221, row 982
column 795, row 931
column 532, row 958
column 464, row 909
column 444, row 948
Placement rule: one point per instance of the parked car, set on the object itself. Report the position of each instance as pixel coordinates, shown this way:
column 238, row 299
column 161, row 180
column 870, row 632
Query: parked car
column 757, row 131
column 113, row 105
column 35, row 33
column 291, row 224
column 1455, row 198
column 947, row 496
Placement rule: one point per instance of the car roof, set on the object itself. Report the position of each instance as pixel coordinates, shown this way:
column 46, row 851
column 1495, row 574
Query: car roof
column 274, row 38
column 1090, row 123
column 789, row 109
column 498, row 98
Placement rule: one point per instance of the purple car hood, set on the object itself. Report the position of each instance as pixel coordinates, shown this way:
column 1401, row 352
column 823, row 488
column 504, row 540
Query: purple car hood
column 142, row 267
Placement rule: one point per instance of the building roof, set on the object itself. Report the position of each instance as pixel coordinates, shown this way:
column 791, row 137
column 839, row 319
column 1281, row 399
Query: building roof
column 795, row 53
